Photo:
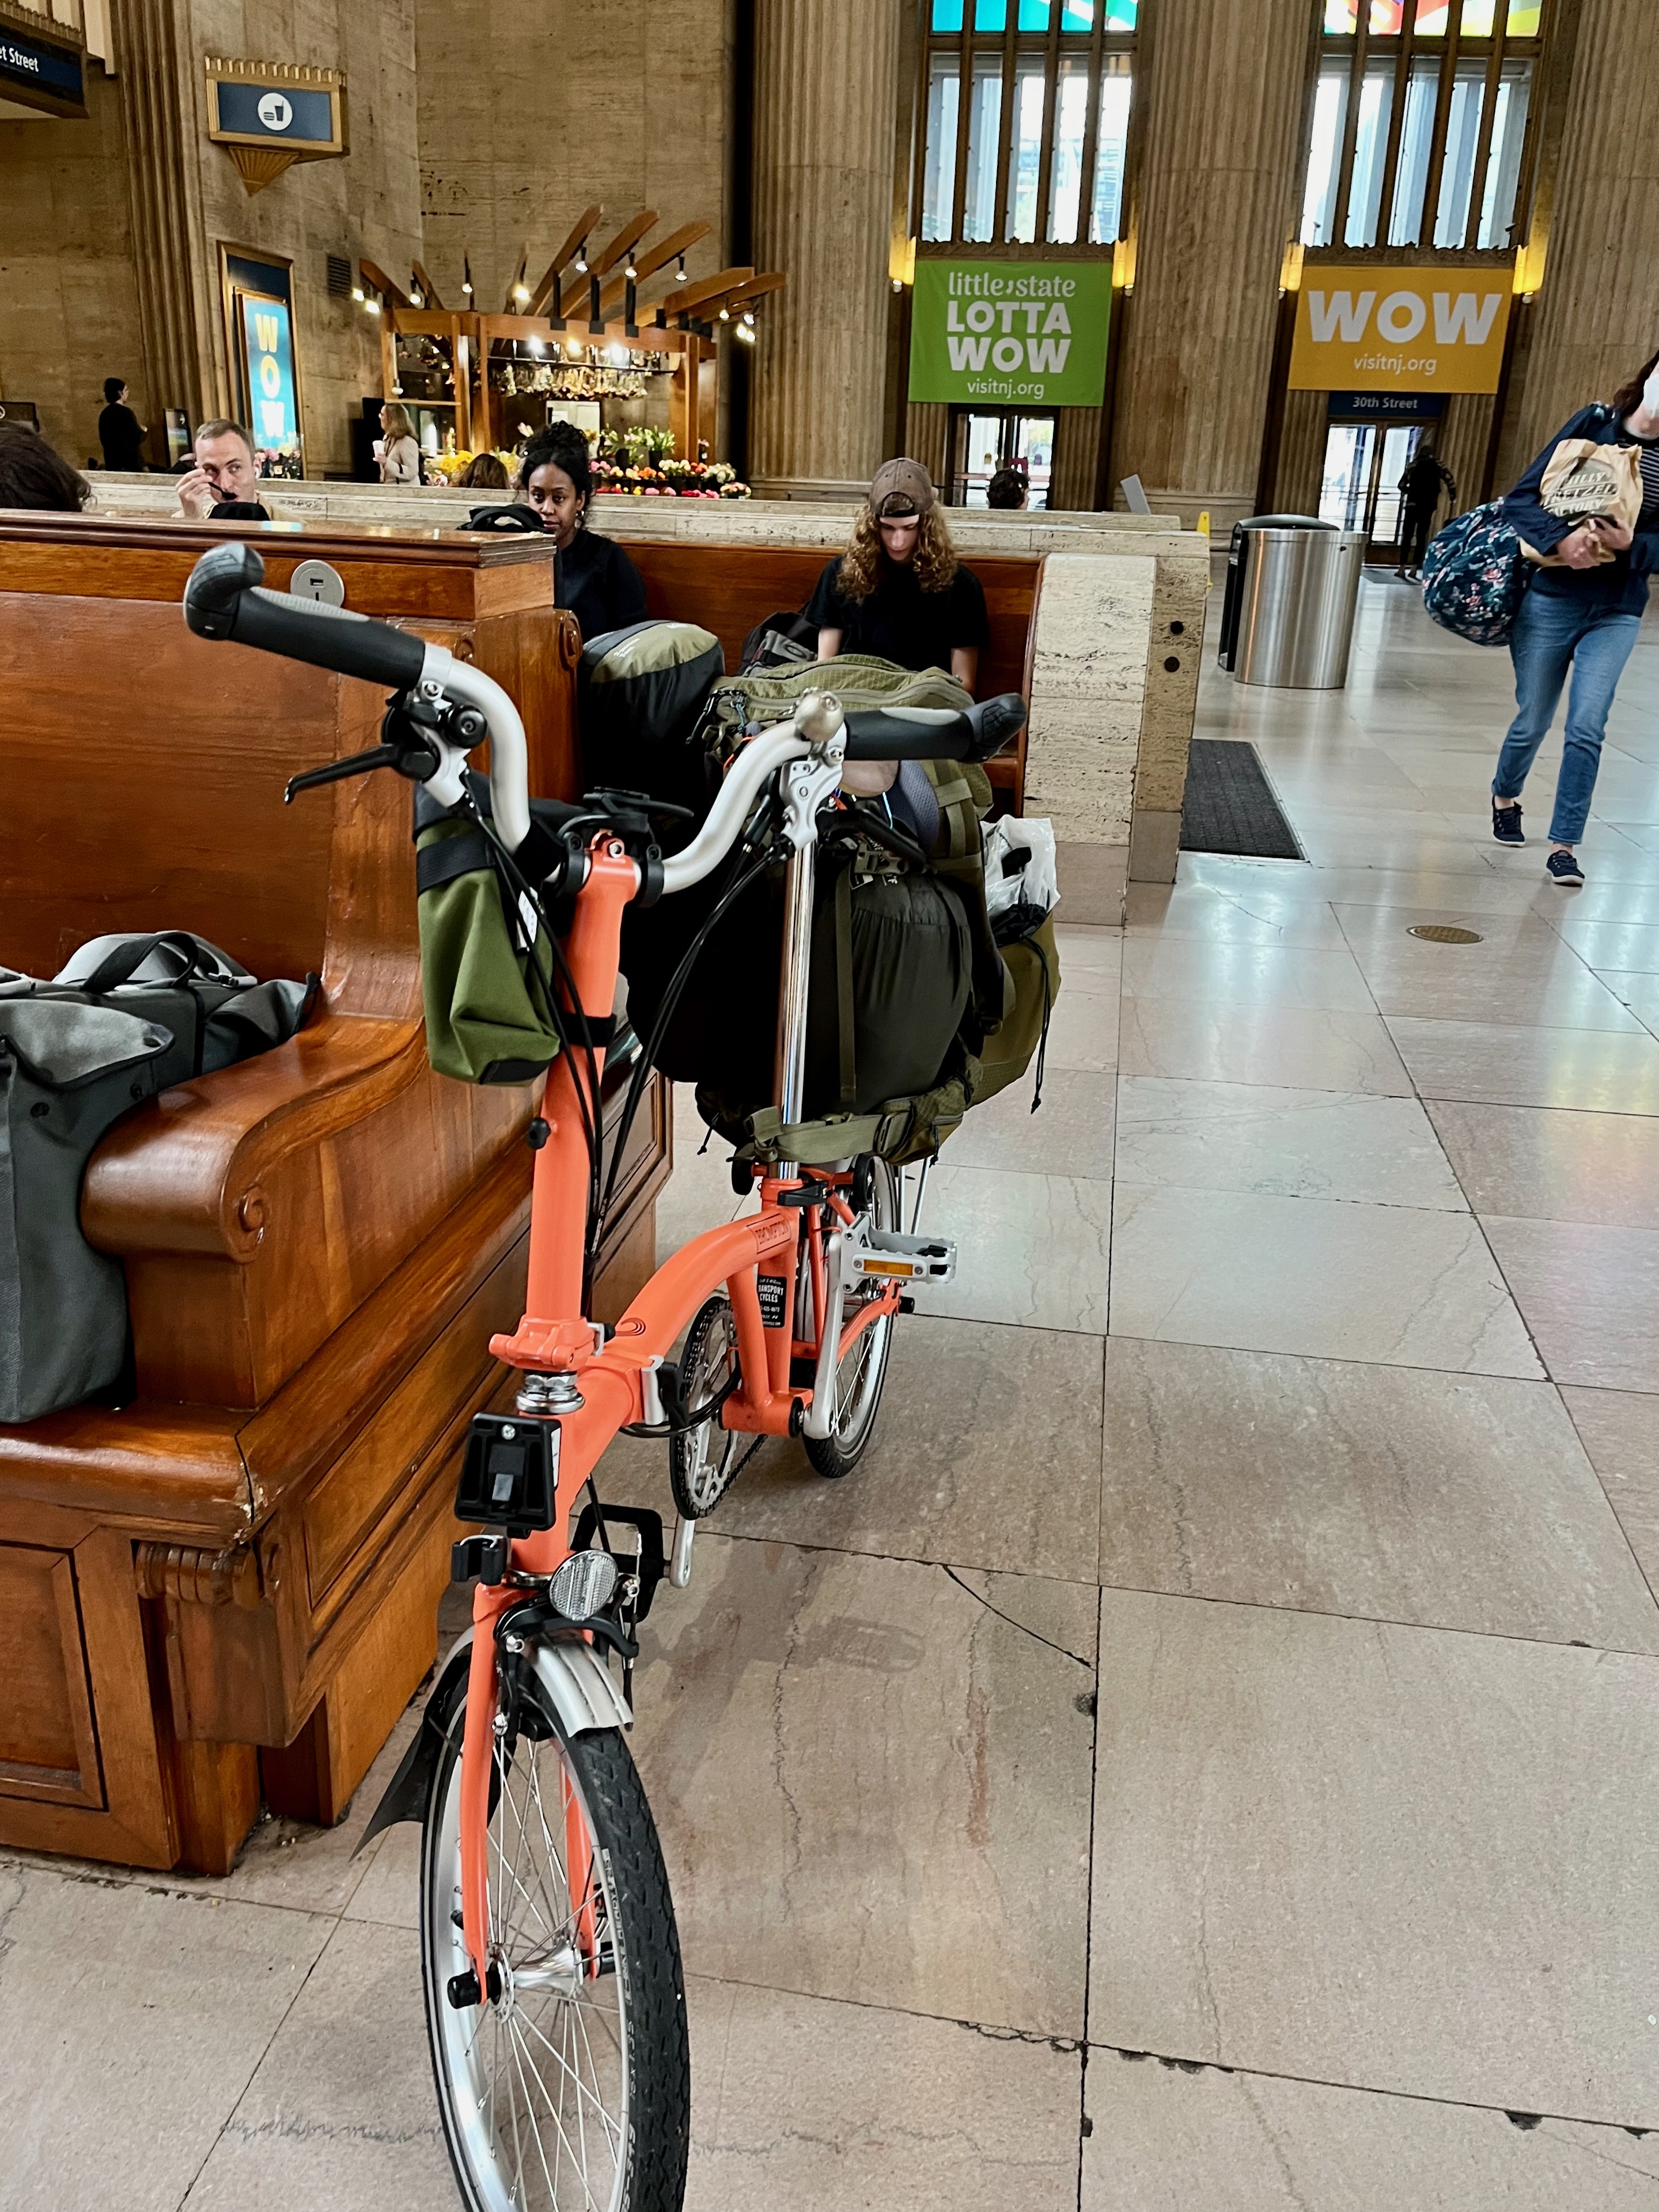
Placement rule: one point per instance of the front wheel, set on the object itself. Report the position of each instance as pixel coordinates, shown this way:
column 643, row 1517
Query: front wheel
column 567, row 2090
column 863, row 1369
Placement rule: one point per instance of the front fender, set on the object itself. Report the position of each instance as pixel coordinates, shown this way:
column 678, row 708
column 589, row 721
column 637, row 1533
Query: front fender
column 580, row 1694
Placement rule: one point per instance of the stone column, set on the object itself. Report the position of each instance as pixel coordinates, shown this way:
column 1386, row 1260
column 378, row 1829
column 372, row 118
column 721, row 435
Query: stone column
column 169, row 248
column 825, row 94
column 1222, row 96
column 1596, row 319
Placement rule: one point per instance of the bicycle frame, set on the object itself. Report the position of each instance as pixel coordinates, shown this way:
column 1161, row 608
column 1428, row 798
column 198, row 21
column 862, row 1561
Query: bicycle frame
column 611, row 1378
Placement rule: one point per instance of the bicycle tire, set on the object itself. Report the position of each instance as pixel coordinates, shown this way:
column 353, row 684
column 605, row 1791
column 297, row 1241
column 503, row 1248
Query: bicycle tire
column 860, row 1377
column 641, row 2147
column 702, row 1462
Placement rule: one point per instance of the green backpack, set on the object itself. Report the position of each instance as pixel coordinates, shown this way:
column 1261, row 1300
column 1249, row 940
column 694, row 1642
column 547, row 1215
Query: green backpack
column 486, row 1019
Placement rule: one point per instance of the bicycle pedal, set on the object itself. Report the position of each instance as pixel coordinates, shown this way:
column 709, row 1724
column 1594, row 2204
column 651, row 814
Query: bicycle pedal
column 885, row 1254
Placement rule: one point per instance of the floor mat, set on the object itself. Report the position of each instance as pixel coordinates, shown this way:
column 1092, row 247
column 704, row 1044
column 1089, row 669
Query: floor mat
column 1230, row 806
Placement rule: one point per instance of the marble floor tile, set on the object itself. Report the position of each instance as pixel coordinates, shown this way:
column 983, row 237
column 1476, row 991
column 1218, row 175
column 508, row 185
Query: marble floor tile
column 1629, row 947
column 1569, row 998
column 1543, row 1165
column 1083, row 1030
column 1639, row 992
column 799, row 2103
column 342, row 2112
column 1450, row 1501
column 1071, row 1134
column 1297, row 1047
column 1620, row 1430
column 132, row 2018
column 870, row 1785
column 1289, row 1143
column 1504, row 1065
column 986, row 1453
column 1168, row 2139
column 1403, row 1286
column 1087, row 951
column 1397, row 1858
column 1589, row 1295
column 1234, row 973
column 1161, row 911
column 1031, row 1249
column 1379, row 934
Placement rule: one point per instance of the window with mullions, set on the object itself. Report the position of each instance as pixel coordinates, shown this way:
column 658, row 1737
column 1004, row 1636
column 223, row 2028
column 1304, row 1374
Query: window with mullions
column 1421, row 125
column 1025, row 121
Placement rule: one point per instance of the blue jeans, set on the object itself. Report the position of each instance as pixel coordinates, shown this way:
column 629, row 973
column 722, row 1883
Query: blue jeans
column 1551, row 630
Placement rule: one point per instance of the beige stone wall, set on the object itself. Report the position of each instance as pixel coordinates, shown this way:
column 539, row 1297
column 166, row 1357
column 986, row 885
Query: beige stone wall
column 69, row 305
column 532, row 110
column 367, row 203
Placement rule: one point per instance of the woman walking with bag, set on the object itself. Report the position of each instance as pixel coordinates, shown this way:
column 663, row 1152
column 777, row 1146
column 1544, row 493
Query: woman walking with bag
column 1584, row 606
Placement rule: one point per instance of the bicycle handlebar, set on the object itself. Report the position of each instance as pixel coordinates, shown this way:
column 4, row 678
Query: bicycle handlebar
column 972, row 733
column 226, row 597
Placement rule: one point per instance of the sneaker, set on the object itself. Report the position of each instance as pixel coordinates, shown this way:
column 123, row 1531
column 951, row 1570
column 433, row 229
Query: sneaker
column 1563, row 868
column 1506, row 823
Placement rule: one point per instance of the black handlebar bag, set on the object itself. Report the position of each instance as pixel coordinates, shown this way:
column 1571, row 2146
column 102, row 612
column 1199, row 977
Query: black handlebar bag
column 128, row 1017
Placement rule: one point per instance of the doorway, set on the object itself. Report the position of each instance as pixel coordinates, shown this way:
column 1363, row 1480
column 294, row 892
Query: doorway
column 1359, row 487
column 1000, row 438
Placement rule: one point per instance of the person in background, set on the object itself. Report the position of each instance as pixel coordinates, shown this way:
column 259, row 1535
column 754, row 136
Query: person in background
column 225, row 475
column 596, row 580
column 484, row 472
column 397, row 449
column 1008, row 487
column 120, row 432
column 899, row 592
column 32, row 475
column 1420, row 494
column 1584, row 613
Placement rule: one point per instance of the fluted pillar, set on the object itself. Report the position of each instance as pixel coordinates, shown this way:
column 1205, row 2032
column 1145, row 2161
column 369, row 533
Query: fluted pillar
column 1221, row 96
column 825, row 99
column 157, row 63
column 1596, row 319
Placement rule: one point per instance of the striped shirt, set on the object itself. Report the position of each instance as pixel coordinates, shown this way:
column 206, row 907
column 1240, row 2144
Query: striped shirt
column 1648, row 450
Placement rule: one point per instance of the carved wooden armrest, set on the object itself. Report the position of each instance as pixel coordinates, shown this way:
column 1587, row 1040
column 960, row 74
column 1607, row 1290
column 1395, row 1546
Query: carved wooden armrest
column 185, row 1174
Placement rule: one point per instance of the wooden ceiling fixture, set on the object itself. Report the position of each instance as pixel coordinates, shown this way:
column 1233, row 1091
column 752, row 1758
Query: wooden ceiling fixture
column 648, row 266
column 393, row 294
column 428, row 290
column 622, row 244
column 574, row 242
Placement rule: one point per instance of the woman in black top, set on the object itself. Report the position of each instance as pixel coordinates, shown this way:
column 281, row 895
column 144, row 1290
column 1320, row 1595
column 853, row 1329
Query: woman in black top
column 596, row 580
column 899, row 592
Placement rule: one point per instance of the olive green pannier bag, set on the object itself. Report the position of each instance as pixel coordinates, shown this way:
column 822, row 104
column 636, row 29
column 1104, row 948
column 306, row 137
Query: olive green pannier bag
column 486, row 1015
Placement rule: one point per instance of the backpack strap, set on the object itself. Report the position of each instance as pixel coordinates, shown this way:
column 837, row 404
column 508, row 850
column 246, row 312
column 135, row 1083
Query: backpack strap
column 844, row 1007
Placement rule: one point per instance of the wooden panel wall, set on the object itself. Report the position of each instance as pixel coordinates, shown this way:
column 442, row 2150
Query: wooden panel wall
column 1224, row 89
column 1597, row 313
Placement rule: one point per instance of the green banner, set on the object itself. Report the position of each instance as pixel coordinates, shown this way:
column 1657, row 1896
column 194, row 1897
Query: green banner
column 1010, row 333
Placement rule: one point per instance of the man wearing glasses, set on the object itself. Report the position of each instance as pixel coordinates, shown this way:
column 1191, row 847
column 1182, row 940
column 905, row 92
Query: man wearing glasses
column 224, row 480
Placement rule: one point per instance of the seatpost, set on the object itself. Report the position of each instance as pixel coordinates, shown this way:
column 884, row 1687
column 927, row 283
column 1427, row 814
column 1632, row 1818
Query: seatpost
column 806, row 784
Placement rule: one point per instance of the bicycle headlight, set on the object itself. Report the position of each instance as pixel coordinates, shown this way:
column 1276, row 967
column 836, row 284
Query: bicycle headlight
column 584, row 1584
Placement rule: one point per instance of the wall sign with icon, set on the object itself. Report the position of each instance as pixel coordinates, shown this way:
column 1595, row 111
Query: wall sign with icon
column 259, row 292
column 268, row 115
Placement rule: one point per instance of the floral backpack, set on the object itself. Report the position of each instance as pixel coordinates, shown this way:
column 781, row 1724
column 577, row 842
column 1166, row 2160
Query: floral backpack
column 1474, row 575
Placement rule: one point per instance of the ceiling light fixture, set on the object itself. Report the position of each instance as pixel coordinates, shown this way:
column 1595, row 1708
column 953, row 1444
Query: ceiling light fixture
column 373, row 305
column 680, row 271
column 521, row 294
column 630, row 271
column 725, row 314
column 581, row 258
column 357, row 291
column 749, row 318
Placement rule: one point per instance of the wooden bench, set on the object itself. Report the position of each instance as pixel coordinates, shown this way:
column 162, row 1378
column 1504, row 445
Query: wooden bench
column 728, row 589
column 229, row 1586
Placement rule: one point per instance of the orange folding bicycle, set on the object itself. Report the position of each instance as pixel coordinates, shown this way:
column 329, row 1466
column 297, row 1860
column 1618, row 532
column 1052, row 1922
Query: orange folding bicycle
column 554, row 2002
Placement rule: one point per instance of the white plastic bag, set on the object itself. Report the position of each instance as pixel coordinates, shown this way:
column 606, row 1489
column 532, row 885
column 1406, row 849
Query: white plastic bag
column 1019, row 864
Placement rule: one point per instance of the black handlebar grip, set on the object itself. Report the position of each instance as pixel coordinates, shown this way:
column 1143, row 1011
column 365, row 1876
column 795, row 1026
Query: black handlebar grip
column 226, row 597
column 932, row 732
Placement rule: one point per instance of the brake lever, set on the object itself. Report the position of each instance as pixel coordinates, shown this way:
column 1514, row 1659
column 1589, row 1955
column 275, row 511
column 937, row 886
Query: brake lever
column 417, row 762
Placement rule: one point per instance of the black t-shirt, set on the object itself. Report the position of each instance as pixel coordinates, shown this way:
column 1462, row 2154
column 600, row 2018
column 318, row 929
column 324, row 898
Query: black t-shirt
column 899, row 621
column 122, row 440
column 600, row 585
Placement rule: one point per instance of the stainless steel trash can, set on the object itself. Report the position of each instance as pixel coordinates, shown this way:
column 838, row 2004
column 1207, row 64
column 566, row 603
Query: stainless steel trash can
column 1297, row 604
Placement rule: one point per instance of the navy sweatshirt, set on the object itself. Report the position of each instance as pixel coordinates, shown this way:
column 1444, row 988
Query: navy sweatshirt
column 1620, row 586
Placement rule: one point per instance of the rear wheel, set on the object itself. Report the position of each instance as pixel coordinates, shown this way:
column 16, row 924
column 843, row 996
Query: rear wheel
column 863, row 1369
column 569, row 2090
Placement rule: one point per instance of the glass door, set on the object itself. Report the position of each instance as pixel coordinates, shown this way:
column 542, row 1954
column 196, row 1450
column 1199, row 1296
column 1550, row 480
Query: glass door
column 1359, row 488
column 1001, row 438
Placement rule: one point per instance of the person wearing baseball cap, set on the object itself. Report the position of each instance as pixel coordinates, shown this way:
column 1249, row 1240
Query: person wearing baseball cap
column 899, row 591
